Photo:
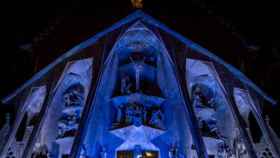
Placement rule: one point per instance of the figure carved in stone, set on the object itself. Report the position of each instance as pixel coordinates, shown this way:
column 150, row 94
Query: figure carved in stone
column 134, row 114
column 156, row 119
column 67, row 123
column 128, row 114
column 74, row 95
column 173, row 151
column 41, row 152
column 119, row 113
column 205, row 111
column 126, row 85
column 73, row 101
column 138, row 68
column 240, row 148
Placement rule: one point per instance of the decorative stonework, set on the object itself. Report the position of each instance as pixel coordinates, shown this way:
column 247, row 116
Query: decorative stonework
column 134, row 136
column 135, row 101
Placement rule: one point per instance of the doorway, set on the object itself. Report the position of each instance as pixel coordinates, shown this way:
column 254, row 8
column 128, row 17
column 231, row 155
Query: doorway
column 131, row 154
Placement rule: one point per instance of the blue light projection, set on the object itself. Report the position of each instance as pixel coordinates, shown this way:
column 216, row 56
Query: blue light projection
column 138, row 109
column 148, row 122
column 139, row 15
column 61, row 120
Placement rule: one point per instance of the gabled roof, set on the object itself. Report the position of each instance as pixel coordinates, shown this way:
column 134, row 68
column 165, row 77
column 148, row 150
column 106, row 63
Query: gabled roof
column 139, row 15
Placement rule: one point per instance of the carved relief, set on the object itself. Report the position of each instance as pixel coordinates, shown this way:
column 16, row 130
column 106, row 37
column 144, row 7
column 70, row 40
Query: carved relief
column 25, row 122
column 65, row 110
column 215, row 118
column 73, row 102
column 253, row 120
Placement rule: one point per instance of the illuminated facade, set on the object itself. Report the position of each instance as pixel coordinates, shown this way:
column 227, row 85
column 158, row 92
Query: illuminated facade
column 138, row 90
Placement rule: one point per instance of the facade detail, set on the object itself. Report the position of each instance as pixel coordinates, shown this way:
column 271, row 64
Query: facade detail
column 151, row 93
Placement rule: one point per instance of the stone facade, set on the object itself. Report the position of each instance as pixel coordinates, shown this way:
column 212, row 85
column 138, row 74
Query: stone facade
column 150, row 94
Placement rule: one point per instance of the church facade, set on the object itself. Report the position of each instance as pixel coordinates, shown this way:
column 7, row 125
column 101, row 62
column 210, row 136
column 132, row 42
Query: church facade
column 139, row 90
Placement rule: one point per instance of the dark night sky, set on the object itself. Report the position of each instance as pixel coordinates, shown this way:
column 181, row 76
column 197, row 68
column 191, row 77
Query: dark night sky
column 243, row 24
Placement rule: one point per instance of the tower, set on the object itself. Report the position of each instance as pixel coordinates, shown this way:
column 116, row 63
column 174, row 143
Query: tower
column 149, row 92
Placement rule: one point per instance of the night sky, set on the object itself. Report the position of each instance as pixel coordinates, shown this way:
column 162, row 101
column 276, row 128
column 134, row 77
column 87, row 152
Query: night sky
column 247, row 35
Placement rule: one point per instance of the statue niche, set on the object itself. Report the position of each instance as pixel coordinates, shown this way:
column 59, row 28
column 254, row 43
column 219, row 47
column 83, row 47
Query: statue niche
column 135, row 72
column 138, row 114
column 130, row 113
column 205, row 108
column 73, row 99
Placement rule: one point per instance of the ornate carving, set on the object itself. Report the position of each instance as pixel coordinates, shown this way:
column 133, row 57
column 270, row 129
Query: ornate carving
column 138, row 114
column 240, row 149
column 156, row 119
column 74, row 95
column 173, row 151
column 135, row 114
column 126, row 85
column 73, row 101
column 41, row 152
column 205, row 111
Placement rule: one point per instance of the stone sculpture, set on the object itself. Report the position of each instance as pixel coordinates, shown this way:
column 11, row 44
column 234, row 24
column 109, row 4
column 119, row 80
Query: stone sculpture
column 156, row 119
column 205, row 112
column 73, row 101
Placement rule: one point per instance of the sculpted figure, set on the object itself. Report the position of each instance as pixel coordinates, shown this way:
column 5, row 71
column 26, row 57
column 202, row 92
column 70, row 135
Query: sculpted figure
column 240, row 149
column 126, row 85
column 42, row 152
column 74, row 96
column 173, row 151
column 138, row 115
column 73, row 101
column 205, row 111
column 138, row 68
column 119, row 113
column 134, row 114
column 103, row 152
column 68, row 122
column 129, row 114
column 156, row 119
